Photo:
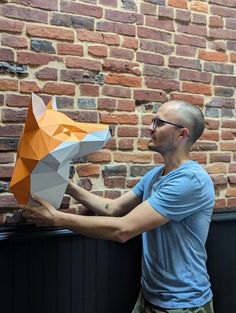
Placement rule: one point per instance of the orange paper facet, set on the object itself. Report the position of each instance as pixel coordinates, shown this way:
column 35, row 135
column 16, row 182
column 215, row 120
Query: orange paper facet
column 49, row 142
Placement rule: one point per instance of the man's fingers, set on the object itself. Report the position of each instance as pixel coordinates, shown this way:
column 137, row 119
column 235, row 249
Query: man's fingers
column 40, row 200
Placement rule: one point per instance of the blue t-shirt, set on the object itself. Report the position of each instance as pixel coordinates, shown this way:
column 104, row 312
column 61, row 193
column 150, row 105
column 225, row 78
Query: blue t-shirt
column 174, row 273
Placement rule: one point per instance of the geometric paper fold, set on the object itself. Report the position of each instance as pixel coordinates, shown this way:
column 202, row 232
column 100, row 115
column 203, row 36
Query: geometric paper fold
column 49, row 142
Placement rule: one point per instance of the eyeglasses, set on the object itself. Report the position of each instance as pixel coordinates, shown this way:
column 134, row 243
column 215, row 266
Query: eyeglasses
column 159, row 122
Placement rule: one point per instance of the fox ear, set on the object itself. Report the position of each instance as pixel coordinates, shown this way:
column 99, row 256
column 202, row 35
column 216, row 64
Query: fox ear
column 52, row 104
column 38, row 106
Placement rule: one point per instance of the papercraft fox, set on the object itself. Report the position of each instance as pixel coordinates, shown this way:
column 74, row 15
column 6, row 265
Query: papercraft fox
column 49, row 142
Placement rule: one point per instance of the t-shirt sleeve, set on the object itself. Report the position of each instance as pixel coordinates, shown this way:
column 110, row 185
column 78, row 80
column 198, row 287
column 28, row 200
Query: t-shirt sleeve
column 178, row 197
column 138, row 189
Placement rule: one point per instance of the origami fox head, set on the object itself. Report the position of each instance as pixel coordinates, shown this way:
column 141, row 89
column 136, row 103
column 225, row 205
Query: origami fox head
column 49, row 142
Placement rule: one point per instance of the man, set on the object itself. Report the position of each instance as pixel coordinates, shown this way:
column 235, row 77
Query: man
column 171, row 206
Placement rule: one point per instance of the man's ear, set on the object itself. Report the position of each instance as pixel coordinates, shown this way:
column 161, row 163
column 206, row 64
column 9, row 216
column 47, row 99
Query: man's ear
column 184, row 133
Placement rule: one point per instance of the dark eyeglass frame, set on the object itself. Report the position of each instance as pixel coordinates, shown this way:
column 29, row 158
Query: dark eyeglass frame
column 156, row 120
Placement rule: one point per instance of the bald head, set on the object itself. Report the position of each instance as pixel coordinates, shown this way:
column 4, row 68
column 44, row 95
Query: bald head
column 188, row 115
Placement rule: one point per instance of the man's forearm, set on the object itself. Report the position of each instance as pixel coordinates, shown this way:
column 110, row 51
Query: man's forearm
column 102, row 227
column 98, row 205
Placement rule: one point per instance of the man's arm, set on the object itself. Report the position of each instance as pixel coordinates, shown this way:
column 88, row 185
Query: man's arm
column 103, row 206
column 142, row 218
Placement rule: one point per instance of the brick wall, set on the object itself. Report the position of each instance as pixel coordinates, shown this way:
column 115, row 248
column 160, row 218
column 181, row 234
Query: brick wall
column 115, row 62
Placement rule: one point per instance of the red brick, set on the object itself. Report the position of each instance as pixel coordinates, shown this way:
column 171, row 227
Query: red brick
column 166, row 12
column 119, row 118
column 232, row 168
column 8, row 84
column 220, row 203
column 74, row 62
column 130, row 43
column 121, row 53
column 216, row 21
column 109, row 3
column 26, row 14
column 224, row 80
column 160, row 24
column 193, row 29
column 150, row 95
column 98, row 51
column 41, row 4
column 200, row 157
column 59, row 89
column 190, row 40
column 14, row 100
column 88, row 170
column 14, row 115
column 199, row 6
column 70, row 49
column 11, row 26
column 155, row 34
column 117, row 28
column 121, row 66
column 183, row 4
column 99, row 157
column 163, row 84
column 233, row 57
column 183, row 62
column 126, row 144
column 202, row 77
column 14, row 41
column 231, row 203
column 7, row 201
column 50, row 32
column 124, row 17
column 127, row 132
column 213, row 56
column 114, row 91
column 35, row 58
column 107, row 104
column 231, row 192
column 232, row 179
column 210, row 135
column 228, row 135
column 89, row 90
column 122, row 157
column 228, row 124
column 81, row 9
column 212, row 124
column 111, row 144
column 91, row 36
column 11, row 130
column 222, row 33
column 148, row 9
column 123, row 80
column 220, row 157
column 142, row 144
column 217, row 168
column 186, row 51
column 115, row 182
column 219, row 180
column 228, row 146
column 6, row 171
column 150, row 58
column 47, row 73
column 130, row 183
column 126, row 105
column 194, row 99
column 196, row 88
column 6, row 55
column 6, row 157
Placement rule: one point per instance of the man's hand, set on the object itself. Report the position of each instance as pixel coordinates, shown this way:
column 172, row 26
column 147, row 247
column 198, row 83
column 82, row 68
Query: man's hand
column 42, row 215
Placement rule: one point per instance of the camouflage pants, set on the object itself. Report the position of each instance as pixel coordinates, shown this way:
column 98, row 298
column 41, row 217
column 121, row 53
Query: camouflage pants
column 143, row 306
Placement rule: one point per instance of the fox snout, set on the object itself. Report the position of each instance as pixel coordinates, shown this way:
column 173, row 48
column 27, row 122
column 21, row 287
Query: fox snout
column 49, row 142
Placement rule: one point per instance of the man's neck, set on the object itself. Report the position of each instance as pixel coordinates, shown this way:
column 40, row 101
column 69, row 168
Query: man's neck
column 174, row 161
